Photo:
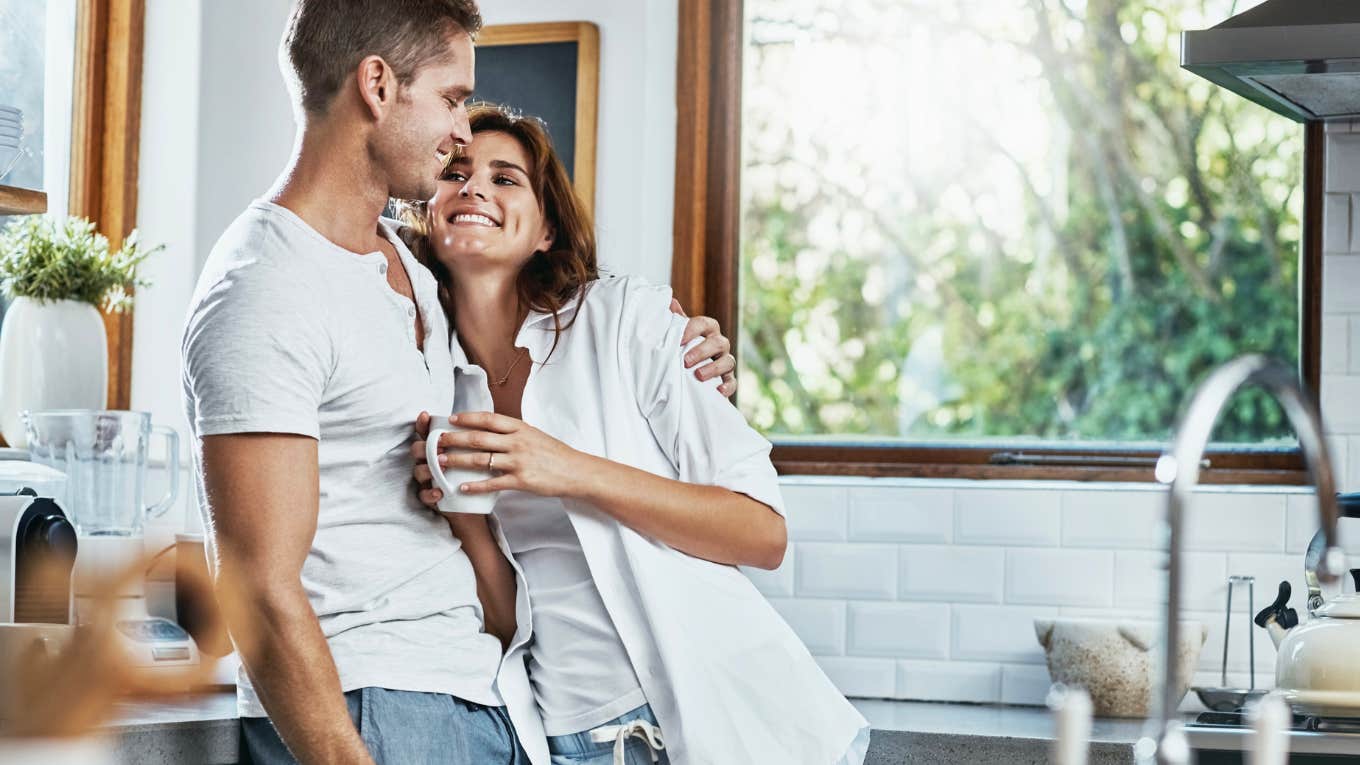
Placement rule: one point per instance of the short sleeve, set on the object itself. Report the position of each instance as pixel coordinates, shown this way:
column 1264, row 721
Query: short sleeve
column 705, row 436
column 256, row 354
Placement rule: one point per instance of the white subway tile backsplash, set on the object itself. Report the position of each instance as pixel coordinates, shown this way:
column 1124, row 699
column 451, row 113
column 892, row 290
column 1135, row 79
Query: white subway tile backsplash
column 901, row 515
column 913, row 630
column 861, row 678
column 951, row 573
column 849, row 571
column 1303, row 523
column 1269, row 571
column 777, row 583
column 949, row 681
column 997, row 633
column 1055, row 577
column 816, row 513
column 1343, row 162
column 1336, row 220
column 1352, row 345
column 1024, row 684
column 1341, row 282
column 1336, row 346
column 1112, row 518
column 1140, row 579
column 1341, row 402
column 1235, row 521
column 820, row 624
column 1352, row 451
column 1239, row 645
column 1007, row 517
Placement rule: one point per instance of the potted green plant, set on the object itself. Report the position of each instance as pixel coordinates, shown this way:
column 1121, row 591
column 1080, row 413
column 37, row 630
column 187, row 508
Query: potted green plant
column 58, row 274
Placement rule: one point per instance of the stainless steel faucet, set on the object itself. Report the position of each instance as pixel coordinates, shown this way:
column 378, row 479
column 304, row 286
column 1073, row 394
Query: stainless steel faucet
column 1181, row 469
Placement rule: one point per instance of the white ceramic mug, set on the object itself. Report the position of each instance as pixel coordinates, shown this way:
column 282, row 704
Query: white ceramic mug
column 448, row 481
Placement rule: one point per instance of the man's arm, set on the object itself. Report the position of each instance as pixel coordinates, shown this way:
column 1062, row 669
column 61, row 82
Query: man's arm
column 263, row 495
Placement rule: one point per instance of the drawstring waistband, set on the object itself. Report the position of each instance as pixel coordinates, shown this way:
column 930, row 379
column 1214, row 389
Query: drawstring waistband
column 619, row 734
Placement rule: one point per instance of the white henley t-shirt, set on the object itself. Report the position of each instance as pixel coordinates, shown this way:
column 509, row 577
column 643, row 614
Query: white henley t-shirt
column 290, row 333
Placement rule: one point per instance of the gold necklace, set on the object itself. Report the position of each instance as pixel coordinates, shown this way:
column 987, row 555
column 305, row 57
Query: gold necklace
column 518, row 358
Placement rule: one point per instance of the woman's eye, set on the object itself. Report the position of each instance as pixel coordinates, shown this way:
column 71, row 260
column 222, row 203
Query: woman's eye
column 453, row 176
column 505, row 179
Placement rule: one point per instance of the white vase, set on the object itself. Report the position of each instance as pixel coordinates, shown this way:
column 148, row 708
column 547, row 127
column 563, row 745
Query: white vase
column 53, row 355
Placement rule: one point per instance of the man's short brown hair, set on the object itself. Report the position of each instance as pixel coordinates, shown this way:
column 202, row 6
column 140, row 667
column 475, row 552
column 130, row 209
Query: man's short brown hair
column 326, row 40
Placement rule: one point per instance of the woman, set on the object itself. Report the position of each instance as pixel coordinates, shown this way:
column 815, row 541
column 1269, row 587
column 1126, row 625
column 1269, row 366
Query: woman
column 631, row 492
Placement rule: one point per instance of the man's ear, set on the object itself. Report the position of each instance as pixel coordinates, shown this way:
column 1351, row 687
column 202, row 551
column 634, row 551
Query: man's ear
column 377, row 85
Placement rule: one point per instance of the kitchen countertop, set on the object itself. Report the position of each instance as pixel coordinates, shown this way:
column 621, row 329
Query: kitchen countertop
column 927, row 732
column 205, row 730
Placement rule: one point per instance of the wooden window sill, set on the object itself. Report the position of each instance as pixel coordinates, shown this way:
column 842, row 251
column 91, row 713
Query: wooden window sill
column 17, row 201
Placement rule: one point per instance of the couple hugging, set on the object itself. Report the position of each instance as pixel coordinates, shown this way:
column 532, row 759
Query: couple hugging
column 597, row 614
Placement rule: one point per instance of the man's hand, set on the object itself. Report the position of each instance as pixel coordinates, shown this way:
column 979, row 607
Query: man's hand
column 713, row 356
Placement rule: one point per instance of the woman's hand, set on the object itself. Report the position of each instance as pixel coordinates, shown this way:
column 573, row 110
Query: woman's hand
column 526, row 458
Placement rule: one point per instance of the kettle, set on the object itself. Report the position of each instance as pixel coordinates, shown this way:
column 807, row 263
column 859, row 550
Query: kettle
column 1317, row 667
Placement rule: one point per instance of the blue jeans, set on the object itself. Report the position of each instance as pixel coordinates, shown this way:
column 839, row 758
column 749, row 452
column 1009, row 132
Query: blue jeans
column 401, row 727
column 578, row 749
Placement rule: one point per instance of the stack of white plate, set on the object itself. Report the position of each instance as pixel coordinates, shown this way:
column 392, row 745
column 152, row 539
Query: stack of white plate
column 11, row 137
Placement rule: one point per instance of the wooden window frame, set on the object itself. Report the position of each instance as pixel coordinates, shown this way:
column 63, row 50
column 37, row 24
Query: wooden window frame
column 105, row 130
column 705, row 268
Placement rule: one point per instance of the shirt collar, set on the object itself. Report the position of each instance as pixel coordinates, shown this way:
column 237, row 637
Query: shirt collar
column 537, row 334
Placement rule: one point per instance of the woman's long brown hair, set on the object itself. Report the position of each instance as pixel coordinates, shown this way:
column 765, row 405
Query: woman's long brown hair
column 551, row 278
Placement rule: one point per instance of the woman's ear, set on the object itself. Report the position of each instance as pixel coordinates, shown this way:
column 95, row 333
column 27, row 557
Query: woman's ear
column 549, row 236
column 377, row 86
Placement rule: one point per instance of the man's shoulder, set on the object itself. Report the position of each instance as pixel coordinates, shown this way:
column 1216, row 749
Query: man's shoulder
column 262, row 237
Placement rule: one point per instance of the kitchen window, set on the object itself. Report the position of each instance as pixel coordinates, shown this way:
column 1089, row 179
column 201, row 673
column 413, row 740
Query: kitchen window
column 991, row 239
column 74, row 68
column 37, row 56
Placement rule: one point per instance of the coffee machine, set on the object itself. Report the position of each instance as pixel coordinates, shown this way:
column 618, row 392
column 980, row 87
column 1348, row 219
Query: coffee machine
column 37, row 555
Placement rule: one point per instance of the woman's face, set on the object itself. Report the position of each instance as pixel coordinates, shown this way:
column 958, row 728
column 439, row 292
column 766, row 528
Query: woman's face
column 484, row 212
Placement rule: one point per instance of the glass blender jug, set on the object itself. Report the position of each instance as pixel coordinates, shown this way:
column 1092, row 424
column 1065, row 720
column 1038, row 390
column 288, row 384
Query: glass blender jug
column 104, row 457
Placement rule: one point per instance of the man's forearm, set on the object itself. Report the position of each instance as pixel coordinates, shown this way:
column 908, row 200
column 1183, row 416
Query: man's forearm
column 294, row 674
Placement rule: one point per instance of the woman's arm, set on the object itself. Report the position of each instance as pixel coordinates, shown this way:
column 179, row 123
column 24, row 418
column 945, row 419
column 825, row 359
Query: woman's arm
column 707, row 522
column 496, row 586
column 495, row 578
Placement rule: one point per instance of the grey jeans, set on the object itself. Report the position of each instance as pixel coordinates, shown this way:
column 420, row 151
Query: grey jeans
column 401, row 727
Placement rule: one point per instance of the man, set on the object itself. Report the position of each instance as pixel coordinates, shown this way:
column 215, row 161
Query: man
column 313, row 340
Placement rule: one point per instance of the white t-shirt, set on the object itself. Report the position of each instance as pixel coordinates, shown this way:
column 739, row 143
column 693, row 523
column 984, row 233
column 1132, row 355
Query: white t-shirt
column 581, row 674
column 290, row 333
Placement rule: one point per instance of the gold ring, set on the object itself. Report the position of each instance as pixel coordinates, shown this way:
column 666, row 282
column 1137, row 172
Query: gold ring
column 490, row 460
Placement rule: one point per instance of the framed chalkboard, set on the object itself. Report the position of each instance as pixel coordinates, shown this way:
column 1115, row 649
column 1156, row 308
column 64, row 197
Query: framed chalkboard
column 550, row 71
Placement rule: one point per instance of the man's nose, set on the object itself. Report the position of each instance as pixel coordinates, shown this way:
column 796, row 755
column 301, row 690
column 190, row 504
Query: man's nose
column 462, row 129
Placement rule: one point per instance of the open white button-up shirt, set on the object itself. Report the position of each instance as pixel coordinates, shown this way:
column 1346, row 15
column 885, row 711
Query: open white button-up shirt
column 726, row 678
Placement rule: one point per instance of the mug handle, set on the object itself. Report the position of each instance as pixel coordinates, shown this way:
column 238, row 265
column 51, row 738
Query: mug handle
column 172, row 453
column 441, row 482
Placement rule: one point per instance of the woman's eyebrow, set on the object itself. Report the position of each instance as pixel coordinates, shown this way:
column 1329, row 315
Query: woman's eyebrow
column 501, row 164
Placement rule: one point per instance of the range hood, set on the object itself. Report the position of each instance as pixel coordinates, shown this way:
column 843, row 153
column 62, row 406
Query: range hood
column 1300, row 58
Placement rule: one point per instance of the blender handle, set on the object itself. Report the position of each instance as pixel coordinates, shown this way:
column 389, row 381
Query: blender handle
column 172, row 457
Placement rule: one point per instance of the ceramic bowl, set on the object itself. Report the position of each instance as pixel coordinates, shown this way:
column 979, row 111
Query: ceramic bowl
column 1115, row 660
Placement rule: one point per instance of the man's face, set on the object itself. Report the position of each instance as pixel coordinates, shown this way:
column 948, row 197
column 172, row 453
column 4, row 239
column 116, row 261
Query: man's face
column 428, row 119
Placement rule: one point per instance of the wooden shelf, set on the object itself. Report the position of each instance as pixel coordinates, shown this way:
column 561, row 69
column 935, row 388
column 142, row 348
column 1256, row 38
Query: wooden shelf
column 16, row 201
